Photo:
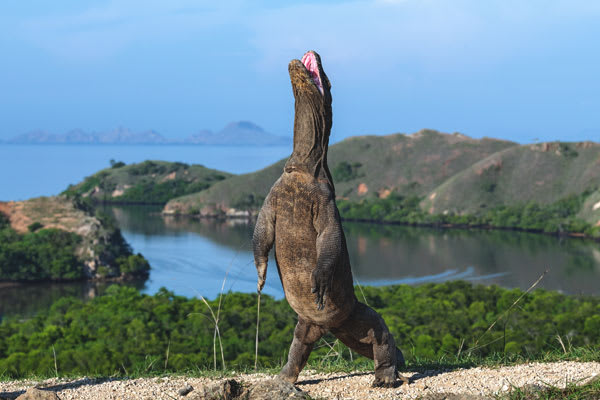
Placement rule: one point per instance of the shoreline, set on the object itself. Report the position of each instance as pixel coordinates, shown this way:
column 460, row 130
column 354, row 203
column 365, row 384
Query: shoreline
column 252, row 215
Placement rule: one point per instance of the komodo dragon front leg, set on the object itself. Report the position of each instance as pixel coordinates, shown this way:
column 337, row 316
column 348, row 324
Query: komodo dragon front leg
column 263, row 238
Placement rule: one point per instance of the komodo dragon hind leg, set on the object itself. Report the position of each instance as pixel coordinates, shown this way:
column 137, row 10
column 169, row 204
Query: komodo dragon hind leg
column 366, row 333
column 305, row 336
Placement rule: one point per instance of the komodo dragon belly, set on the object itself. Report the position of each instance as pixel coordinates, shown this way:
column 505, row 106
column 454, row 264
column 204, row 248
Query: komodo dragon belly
column 296, row 257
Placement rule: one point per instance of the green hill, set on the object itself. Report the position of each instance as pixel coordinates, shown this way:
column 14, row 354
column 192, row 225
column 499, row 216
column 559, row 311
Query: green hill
column 424, row 178
column 540, row 173
column 149, row 182
column 244, row 192
column 361, row 167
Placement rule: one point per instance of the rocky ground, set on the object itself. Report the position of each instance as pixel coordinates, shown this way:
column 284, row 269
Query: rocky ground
column 470, row 383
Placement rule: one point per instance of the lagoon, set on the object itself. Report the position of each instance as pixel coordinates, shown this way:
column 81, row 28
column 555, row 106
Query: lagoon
column 194, row 257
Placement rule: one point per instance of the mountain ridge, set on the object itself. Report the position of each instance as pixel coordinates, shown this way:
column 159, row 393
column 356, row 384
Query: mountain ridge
column 235, row 133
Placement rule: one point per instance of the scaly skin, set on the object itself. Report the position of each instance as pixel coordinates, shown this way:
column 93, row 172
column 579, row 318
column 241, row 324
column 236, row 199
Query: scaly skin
column 301, row 218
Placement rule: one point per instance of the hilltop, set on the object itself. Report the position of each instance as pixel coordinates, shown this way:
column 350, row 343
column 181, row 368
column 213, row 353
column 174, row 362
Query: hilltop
column 148, row 182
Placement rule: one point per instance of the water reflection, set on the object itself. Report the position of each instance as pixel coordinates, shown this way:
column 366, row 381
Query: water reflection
column 193, row 257
column 383, row 254
column 386, row 254
column 28, row 299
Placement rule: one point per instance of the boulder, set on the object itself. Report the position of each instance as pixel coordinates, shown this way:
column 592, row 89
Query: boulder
column 38, row 394
column 268, row 389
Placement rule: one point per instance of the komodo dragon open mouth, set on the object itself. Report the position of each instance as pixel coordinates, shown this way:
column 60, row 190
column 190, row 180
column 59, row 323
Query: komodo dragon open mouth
column 312, row 66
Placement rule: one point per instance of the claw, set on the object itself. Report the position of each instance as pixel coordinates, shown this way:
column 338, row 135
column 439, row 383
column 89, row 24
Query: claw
column 385, row 383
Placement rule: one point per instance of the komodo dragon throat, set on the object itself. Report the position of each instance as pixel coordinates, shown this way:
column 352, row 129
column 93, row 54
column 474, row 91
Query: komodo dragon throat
column 301, row 218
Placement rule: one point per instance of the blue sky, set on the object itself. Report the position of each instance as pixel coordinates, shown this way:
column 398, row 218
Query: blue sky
column 518, row 70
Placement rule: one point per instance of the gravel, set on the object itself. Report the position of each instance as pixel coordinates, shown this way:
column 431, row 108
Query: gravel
column 462, row 383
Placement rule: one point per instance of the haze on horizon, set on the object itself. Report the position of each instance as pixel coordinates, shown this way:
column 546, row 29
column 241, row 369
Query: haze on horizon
column 510, row 69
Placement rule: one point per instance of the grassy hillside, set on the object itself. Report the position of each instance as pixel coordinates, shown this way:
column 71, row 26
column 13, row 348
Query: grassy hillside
column 149, row 182
column 361, row 166
column 433, row 178
column 411, row 164
column 542, row 173
column 241, row 192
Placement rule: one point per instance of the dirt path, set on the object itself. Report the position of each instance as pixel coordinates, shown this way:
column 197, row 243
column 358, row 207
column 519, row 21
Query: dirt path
column 463, row 384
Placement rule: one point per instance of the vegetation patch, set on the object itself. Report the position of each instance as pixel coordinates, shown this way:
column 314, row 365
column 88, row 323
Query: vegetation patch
column 51, row 247
column 571, row 392
column 48, row 254
column 559, row 217
column 148, row 182
column 124, row 332
column 345, row 171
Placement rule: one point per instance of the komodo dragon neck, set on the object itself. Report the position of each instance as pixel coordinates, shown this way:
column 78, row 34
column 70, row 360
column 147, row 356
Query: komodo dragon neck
column 313, row 118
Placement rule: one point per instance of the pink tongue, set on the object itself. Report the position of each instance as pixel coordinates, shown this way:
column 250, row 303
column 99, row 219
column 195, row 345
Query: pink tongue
column 310, row 63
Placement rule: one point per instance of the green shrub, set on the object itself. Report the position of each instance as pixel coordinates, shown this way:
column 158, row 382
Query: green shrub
column 35, row 226
column 116, row 164
column 558, row 217
column 124, row 329
column 42, row 255
column 133, row 265
column 345, row 171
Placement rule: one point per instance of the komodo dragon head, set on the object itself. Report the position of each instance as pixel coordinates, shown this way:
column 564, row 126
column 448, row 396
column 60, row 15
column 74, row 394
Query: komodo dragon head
column 312, row 120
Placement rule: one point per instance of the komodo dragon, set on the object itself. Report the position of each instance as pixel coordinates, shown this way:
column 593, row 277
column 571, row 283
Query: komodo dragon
column 300, row 217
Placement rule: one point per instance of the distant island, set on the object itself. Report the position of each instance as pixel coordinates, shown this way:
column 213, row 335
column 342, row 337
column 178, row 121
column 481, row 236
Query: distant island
column 236, row 133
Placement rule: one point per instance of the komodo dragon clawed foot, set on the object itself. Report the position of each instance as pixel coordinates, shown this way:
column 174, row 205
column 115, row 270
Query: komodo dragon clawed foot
column 385, row 382
column 389, row 381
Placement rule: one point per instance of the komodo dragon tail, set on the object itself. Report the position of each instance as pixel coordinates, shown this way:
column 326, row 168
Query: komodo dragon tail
column 401, row 364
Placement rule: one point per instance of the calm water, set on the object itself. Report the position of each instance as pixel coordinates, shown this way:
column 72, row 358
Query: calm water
column 193, row 257
column 44, row 170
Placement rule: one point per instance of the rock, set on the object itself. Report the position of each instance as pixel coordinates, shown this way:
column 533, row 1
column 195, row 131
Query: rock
column 233, row 213
column 184, row 391
column 37, row 394
column 268, row 389
column 275, row 389
column 226, row 390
